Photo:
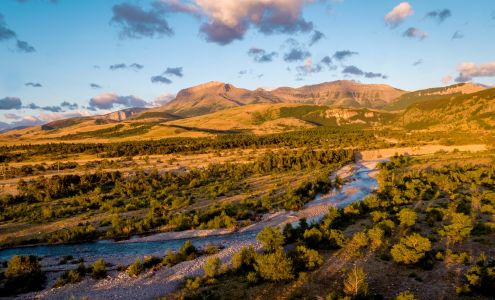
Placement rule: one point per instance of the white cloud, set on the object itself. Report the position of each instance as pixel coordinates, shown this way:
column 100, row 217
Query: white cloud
column 108, row 100
column 468, row 71
column 447, row 79
column 395, row 17
column 163, row 99
column 228, row 20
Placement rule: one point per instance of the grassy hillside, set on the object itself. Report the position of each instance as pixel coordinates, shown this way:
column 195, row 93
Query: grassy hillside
column 432, row 94
column 459, row 112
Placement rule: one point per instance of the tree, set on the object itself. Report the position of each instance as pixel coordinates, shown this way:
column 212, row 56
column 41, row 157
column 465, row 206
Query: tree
column 274, row 266
column 407, row 217
column 244, row 259
column 308, row 259
column 23, row 274
column 460, row 227
column 312, row 237
column 212, row 267
column 355, row 283
column 271, row 239
column 410, row 249
column 376, row 235
column 358, row 242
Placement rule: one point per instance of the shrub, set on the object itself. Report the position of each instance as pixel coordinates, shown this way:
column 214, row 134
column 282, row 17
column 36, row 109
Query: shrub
column 407, row 217
column 312, row 237
column 244, row 259
column 135, row 268
column 355, row 284
column 336, row 238
column 358, row 242
column 69, row 277
column 188, row 251
column 375, row 236
column 271, row 239
column 407, row 295
column 212, row 267
column 459, row 228
column 410, row 249
column 274, row 266
column 307, row 259
column 99, row 270
column 23, row 274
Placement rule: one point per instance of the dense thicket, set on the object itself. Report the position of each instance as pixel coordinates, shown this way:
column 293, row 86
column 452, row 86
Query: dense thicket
column 316, row 137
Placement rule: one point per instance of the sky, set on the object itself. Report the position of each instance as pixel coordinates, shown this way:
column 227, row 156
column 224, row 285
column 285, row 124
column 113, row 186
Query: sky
column 65, row 58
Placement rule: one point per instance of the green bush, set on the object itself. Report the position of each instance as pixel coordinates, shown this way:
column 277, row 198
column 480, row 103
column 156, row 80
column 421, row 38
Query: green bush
column 407, row 217
column 244, row 259
column 212, row 267
column 69, row 277
column 271, row 239
column 99, row 270
column 313, row 237
column 23, row 274
column 135, row 268
column 307, row 259
column 274, row 266
column 410, row 249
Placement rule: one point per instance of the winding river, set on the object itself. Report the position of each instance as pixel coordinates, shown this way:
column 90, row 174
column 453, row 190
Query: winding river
column 358, row 183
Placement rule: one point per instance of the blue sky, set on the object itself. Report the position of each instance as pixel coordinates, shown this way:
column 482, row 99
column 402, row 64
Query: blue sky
column 52, row 51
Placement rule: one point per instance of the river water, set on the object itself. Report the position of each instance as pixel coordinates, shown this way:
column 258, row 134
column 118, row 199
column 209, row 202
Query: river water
column 356, row 187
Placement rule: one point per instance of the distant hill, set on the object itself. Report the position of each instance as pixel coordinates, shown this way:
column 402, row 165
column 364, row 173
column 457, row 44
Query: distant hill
column 474, row 111
column 342, row 93
column 411, row 98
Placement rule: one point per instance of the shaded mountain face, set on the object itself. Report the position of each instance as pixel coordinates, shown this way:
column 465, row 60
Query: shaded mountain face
column 408, row 99
column 215, row 96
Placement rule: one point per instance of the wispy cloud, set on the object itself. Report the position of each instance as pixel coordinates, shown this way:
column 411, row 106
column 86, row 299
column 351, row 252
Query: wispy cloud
column 439, row 15
column 418, row 62
column 261, row 56
column 353, row 70
column 135, row 22
column 121, row 66
column 178, row 71
column 33, row 84
column 457, row 35
column 160, row 79
column 316, row 37
column 23, row 46
column 413, row 32
column 344, row 54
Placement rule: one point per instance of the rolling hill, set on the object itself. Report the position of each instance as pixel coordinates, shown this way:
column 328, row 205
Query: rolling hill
column 474, row 111
column 408, row 99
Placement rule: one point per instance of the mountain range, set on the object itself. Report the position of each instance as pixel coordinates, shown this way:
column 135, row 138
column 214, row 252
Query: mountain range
column 217, row 107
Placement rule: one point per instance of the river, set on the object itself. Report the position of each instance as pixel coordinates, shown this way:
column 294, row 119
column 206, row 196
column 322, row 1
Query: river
column 356, row 186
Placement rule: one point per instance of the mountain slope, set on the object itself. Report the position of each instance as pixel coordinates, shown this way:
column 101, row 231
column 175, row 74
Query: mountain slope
column 453, row 112
column 411, row 98
column 342, row 93
column 215, row 96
